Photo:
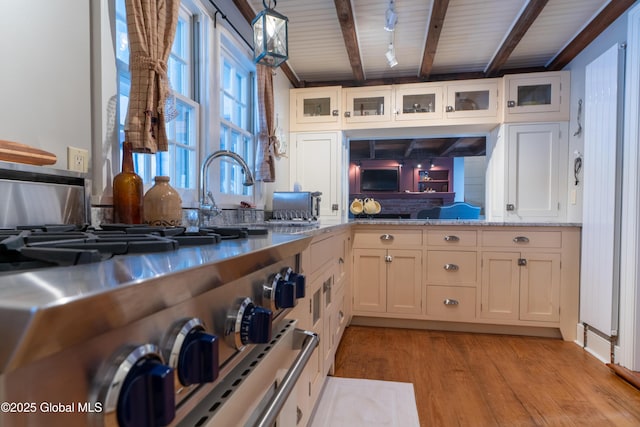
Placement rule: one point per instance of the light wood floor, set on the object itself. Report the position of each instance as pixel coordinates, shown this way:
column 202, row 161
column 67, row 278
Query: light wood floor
column 464, row 379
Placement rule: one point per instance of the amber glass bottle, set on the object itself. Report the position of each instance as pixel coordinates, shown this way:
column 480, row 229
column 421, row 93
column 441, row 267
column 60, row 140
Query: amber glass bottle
column 127, row 191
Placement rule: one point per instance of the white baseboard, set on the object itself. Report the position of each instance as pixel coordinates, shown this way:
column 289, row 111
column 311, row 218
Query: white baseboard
column 597, row 345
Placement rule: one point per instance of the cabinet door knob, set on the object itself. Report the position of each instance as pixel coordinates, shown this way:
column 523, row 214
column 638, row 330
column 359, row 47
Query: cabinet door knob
column 451, row 267
column 386, row 237
column 450, row 109
column 347, row 113
column 335, row 113
column 451, row 239
column 511, row 207
column 520, row 239
column 388, row 258
column 450, row 301
column 522, row 262
column 511, row 104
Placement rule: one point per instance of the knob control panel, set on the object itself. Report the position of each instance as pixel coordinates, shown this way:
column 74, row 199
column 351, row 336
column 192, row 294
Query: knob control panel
column 192, row 352
column 248, row 324
column 141, row 391
column 298, row 279
column 280, row 293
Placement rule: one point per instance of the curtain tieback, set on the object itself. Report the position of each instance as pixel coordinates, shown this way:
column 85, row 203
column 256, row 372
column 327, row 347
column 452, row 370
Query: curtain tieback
column 142, row 62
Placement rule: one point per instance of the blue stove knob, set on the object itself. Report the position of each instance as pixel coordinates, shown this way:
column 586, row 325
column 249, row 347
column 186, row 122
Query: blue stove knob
column 285, row 293
column 255, row 327
column 299, row 280
column 147, row 397
column 198, row 361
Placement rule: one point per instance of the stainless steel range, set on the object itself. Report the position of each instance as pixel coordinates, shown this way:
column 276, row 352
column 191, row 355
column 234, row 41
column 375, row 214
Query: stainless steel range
column 184, row 335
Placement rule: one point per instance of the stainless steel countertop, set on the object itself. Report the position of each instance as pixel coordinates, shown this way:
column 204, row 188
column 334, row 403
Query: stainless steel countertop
column 459, row 222
column 47, row 287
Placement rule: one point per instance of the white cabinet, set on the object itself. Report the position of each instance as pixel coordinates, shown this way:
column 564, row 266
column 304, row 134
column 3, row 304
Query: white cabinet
column 521, row 286
column 387, row 281
column 387, row 271
column 418, row 102
column 317, row 165
column 472, row 101
column 537, row 97
column 367, row 107
column 527, row 172
column 315, row 108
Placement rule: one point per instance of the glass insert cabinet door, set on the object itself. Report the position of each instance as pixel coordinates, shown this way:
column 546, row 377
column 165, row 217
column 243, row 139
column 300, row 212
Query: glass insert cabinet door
column 316, row 105
column 367, row 104
column 472, row 100
column 533, row 94
column 418, row 102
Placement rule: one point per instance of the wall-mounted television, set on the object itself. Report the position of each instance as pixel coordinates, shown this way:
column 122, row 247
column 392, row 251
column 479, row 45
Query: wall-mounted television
column 379, row 180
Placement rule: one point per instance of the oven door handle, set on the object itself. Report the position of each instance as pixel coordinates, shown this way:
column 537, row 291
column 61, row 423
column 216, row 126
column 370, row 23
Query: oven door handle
column 308, row 341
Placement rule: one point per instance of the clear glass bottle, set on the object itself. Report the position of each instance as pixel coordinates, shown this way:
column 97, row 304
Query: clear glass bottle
column 127, row 191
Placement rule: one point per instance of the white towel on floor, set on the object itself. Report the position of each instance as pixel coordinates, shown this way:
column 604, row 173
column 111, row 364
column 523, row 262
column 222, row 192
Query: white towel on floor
column 355, row 402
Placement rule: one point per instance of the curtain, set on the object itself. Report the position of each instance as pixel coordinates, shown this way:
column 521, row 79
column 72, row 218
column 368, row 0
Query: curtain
column 267, row 151
column 151, row 26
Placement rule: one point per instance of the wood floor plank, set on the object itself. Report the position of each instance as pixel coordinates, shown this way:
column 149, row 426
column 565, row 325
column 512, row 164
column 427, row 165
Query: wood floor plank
column 466, row 379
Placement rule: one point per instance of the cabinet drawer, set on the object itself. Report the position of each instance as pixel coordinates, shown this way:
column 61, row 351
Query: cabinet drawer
column 451, row 302
column 452, row 268
column 451, row 238
column 321, row 252
column 392, row 238
column 523, row 239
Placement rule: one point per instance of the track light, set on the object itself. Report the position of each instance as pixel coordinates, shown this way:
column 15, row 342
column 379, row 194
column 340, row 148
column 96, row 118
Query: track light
column 391, row 56
column 391, row 17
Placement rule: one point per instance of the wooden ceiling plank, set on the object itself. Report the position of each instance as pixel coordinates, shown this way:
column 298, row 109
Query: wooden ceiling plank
column 438, row 13
column 347, row 24
column 248, row 13
column 526, row 18
column 610, row 13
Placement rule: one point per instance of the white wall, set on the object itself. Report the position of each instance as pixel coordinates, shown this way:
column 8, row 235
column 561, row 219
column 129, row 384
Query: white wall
column 45, row 79
column 281, row 86
column 475, row 170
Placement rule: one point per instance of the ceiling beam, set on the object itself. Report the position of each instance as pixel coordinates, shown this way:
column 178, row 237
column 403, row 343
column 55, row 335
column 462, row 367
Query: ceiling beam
column 526, row 18
column 410, row 148
column 610, row 13
column 438, row 12
column 248, row 13
column 347, row 24
column 448, row 148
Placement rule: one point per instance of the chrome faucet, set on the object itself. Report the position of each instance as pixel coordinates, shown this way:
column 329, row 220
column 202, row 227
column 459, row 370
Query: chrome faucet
column 211, row 209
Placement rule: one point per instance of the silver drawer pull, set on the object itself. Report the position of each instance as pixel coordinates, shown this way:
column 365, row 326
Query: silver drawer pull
column 451, row 267
column 450, row 301
column 386, row 237
column 451, row 239
column 520, row 239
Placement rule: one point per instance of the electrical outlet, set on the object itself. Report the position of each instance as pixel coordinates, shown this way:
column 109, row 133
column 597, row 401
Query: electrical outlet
column 77, row 159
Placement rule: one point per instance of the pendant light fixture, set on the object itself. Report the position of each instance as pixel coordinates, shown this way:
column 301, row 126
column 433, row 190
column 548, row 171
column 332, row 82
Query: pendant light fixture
column 270, row 37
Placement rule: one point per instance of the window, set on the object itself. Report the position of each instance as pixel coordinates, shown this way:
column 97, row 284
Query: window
column 236, row 113
column 223, row 75
column 180, row 161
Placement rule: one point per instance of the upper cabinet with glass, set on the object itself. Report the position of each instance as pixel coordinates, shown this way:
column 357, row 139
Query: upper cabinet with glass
column 370, row 105
column 420, row 101
column 315, row 108
column 473, row 101
column 536, row 97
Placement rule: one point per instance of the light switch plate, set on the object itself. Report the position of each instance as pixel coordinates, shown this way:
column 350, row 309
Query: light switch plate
column 77, row 159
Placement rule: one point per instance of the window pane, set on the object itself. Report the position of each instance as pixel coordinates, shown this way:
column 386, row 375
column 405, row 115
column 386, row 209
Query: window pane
column 122, row 39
